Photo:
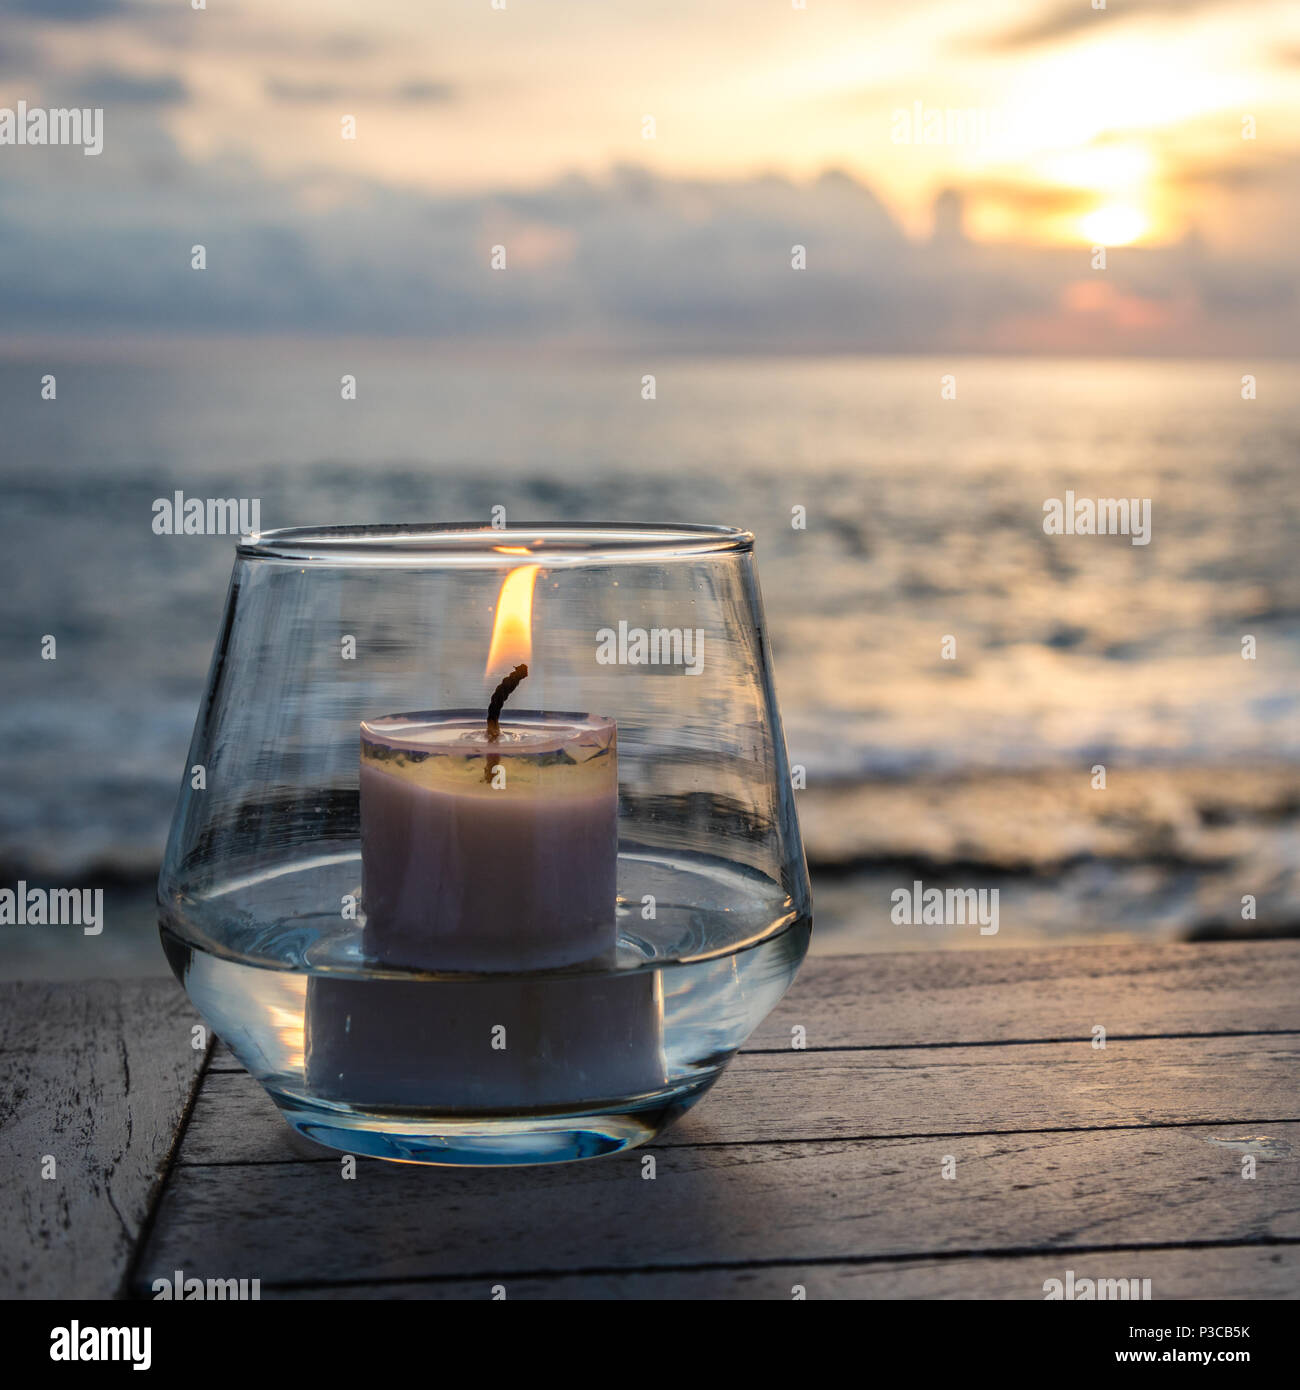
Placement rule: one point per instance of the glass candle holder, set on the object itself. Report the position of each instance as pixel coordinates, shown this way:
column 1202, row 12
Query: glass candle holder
column 486, row 848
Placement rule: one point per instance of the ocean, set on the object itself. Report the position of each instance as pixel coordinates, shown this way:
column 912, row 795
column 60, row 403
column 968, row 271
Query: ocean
column 888, row 518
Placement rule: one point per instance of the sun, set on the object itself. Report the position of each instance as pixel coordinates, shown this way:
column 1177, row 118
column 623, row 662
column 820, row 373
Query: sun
column 1115, row 224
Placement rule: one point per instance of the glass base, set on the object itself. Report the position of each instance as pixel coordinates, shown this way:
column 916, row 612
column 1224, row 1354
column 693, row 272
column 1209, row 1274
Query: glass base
column 491, row 1140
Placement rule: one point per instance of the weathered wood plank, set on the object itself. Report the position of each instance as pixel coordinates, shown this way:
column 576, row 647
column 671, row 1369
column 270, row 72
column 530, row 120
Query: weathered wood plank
column 1006, row 995
column 907, row 1091
column 746, row 1202
column 98, row 1075
column 1220, row 1272
column 1016, row 1087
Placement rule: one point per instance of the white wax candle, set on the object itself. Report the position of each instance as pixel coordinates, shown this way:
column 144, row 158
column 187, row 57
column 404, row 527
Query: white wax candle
column 495, row 857
column 489, row 855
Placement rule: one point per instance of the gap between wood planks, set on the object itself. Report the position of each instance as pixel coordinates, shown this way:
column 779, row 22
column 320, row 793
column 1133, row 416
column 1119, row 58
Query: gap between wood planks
column 237, row 1070
column 783, row 1262
column 173, row 1156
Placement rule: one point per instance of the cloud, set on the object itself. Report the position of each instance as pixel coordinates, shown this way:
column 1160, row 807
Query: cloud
column 1229, row 290
column 16, row 57
column 1236, row 176
column 108, row 87
column 65, row 11
column 1037, row 198
column 1076, row 17
column 630, row 261
column 417, row 90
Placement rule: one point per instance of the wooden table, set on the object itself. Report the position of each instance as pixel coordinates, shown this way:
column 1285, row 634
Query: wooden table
column 822, row 1168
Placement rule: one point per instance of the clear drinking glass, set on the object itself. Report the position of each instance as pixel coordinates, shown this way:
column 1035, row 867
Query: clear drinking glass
column 444, row 927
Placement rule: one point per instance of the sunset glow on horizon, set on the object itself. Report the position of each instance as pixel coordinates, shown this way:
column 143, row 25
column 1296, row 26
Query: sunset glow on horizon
column 1043, row 126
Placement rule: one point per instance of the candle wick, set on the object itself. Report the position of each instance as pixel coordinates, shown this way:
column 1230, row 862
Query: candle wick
column 499, row 696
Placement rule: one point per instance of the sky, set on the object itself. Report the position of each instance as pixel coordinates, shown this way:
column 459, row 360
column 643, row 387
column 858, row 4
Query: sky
column 949, row 167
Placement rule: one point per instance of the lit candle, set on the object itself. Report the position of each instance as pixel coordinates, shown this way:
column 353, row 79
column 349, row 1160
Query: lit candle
column 489, row 845
column 483, row 854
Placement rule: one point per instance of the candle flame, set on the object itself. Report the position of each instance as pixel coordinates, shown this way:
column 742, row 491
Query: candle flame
column 512, row 632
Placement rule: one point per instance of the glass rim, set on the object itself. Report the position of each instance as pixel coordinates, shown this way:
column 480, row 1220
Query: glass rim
column 476, row 543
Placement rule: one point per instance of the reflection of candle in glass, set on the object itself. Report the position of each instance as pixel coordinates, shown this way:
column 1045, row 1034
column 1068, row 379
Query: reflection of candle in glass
column 489, row 844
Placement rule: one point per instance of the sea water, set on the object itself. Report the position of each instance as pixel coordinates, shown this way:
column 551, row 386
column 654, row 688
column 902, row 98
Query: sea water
column 923, row 518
